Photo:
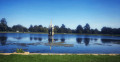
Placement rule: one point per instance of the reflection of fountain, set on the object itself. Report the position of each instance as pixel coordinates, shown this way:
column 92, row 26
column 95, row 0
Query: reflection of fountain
column 86, row 41
column 52, row 43
column 3, row 40
column 79, row 40
column 50, row 39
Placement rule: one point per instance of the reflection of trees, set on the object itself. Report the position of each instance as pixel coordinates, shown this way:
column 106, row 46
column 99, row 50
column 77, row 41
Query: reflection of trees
column 40, row 39
column 95, row 39
column 36, row 38
column 62, row 39
column 31, row 38
column 18, row 38
column 79, row 40
column 55, row 39
column 110, row 41
column 3, row 40
column 86, row 41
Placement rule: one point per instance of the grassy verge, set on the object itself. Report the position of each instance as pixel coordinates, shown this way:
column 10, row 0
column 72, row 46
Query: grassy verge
column 59, row 58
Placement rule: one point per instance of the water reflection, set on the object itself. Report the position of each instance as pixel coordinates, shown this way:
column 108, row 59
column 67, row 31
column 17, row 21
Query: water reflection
column 3, row 40
column 40, row 39
column 51, row 42
column 110, row 41
column 60, row 43
column 50, row 39
column 18, row 38
column 79, row 40
column 62, row 40
column 31, row 38
column 94, row 39
column 86, row 41
column 35, row 38
column 55, row 39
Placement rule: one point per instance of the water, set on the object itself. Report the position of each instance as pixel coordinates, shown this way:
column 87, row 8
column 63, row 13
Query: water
column 60, row 43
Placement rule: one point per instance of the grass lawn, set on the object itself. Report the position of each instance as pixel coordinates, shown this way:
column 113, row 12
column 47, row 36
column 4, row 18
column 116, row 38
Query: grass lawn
column 59, row 58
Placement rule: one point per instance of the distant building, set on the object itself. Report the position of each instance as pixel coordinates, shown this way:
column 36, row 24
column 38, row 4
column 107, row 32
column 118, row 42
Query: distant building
column 17, row 31
column 51, row 29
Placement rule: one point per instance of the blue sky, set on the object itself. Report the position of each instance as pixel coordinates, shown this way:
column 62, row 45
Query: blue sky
column 97, row 13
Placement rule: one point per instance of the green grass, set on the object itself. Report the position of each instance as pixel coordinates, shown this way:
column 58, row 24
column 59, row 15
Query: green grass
column 59, row 58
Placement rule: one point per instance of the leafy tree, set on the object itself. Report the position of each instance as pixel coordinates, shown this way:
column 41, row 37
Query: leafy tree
column 3, row 21
column 56, row 29
column 96, row 31
column 31, row 29
column 19, row 28
column 106, row 30
column 109, row 30
column 79, row 29
column 9, row 29
column 62, row 29
column 68, row 30
column 87, row 29
column 45, row 29
column 3, row 25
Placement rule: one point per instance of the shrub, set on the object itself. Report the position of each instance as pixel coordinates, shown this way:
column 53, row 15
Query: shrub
column 19, row 51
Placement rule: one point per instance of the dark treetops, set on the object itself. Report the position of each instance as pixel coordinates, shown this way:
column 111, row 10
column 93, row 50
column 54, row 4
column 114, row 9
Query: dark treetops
column 39, row 28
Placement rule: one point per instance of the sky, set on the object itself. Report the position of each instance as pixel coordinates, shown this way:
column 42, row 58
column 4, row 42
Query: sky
column 97, row 13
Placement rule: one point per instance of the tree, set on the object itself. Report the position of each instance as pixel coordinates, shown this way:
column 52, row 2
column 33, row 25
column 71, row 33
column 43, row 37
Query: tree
column 31, row 29
column 3, row 21
column 19, row 28
column 3, row 25
column 9, row 29
column 87, row 29
column 106, row 30
column 56, row 29
column 109, row 30
column 79, row 29
column 94, row 31
column 45, row 29
column 62, row 29
column 36, row 29
column 68, row 30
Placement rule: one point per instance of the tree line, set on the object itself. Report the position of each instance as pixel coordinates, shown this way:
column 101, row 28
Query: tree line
column 62, row 29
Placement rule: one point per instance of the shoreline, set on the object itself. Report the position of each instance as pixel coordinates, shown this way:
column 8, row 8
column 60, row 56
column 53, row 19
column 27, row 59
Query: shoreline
column 64, row 33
